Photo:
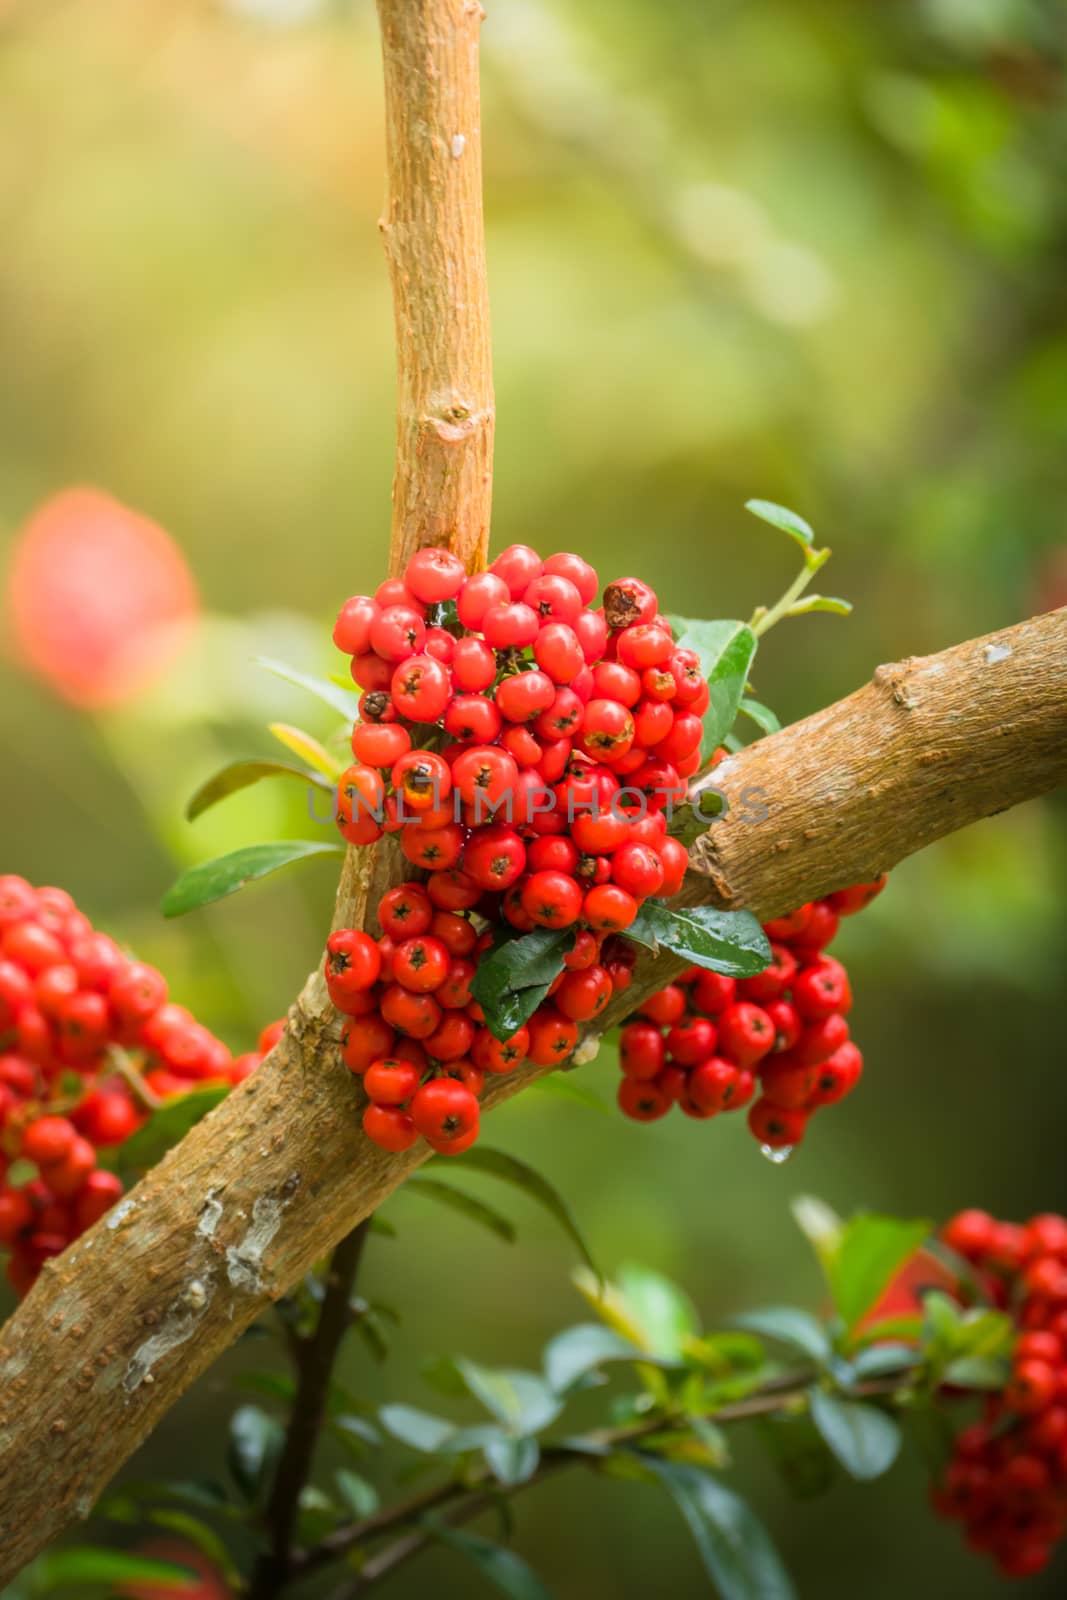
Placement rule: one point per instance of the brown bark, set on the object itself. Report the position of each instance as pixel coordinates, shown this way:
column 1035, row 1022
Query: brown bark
column 120, row 1325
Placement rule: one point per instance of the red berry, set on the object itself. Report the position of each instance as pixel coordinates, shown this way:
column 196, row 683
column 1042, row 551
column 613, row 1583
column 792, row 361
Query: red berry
column 389, row 1128
column 638, row 869
column 473, row 719
column 552, row 1036
column 642, row 1100
column 609, row 908
column 366, row 1039
column 776, row 1127
column 577, row 571
column 397, row 632
column 421, row 688
column 552, row 899
column 421, row 964
column 627, row 601
column 48, row 1141
column 353, row 960
column 444, row 1111
column 391, row 1082
column 746, row 1033
column 416, row 1015
column 473, row 665
column 495, row 857
column 642, row 1050
column 558, row 651
column 380, row 744
column 510, row 627
column 583, row 995
column 517, row 566
column 352, row 629
column 494, row 1055
column 434, row 575
column 480, row 592
column 522, row 697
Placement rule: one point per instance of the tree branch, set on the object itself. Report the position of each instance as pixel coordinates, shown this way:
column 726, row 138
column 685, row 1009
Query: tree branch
column 120, row 1325
column 315, row 1360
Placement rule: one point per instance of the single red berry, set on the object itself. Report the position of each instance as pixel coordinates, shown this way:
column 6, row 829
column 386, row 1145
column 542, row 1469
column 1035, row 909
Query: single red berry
column 627, row 601
column 786, row 1084
column 609, row 908
column 821, row 990
column 552, row 1036
column 583, row 995
column 592, row 630
column 558, row 651
column 512, row 626
column 773, row 981
column 421, row 688
column 498, row 1056
column 366, row 1039
column 480, row 592
column 473, row 665
column 517, row 566
column 391, row 1082
column 643, row 644
column 713, row 992
column 351, row 632
column 495, row 857
column 643, row 1101
column 452, row 890
column 435, row 849
column 397, row 632
column 607, row 729
column 746, row 1033
column 380, row 744
column 846, row 902
column 776, row 1127
column 95, row 1197
column 454, row 1038
column 405, row 911
column 434, row 575
column 577, row 571
column 444, row 1111
column 423, row 781
column 790, row 926
column 819, row 1040
column 638, row 869
column 1031, row 1387
column 48, row 1140
column 416, row 1015
column 714, row 1084
column 675, row 860
column 524, row 696
column 421, row 964
column 456, row 933
column 690, row 1040
column 642, row 1050
column 372, row 673
column 473, row 719
column 353, row 960
column 552, row 899
column 389, row 1128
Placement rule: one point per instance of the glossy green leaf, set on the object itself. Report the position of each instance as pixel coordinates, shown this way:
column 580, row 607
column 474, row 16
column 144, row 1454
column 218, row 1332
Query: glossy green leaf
column 213, row 880
column 577, row 1351
column 241, row 775
column 309, row 749
column 515, row 975
column 344, row 701
column 89, row 1565
column 734, row 1545
column 789, row 1325
column 508, row 1168
column 662, row 1310
column 870, row 1251
column 504, row 1569
column 467, row 1205
column 164, row 1128
column 726, row 650
column 863, row 1439
column 255, row 1440
column 731, row 942
column 781, row 517
column 761, row 715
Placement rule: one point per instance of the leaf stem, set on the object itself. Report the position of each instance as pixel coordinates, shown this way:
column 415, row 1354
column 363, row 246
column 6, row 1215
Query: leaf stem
column 764, row 618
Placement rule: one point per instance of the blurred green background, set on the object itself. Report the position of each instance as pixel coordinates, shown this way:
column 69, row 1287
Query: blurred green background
column 807, row 251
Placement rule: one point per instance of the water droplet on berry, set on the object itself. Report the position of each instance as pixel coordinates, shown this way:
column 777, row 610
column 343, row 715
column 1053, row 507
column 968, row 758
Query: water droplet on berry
column 777, row 1155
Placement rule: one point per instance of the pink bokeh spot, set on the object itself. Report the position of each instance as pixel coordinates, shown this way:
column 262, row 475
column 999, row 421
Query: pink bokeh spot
column 100, row 600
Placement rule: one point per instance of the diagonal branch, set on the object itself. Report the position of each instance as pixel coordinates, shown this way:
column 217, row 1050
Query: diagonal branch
column 122, row 1323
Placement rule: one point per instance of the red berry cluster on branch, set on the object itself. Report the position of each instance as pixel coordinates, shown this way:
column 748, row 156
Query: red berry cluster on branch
column 1007, row 1481
column 80, row 1021
column 527, row 749
column 708, row 1043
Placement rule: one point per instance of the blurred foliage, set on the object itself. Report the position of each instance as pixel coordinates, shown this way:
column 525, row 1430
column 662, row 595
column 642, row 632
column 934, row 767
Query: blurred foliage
column 800, row 251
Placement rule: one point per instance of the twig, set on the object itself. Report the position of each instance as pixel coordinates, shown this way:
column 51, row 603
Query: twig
column 315, row 1358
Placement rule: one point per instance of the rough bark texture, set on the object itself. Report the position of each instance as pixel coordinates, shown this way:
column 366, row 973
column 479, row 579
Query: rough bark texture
column 125, row 1320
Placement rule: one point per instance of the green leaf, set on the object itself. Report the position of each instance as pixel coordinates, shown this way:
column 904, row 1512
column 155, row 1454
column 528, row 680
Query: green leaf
column 562, row 1086
column 509, row 1169
column 255, row 1440
column 213, row 880
column 791, row 1326
column 781, row 517
column 726, row 650
column 344, row 701
column 504, row 1569
column 515, row 975
column 163, row 1129
column 520, row 1401
column 21, row 1172
column 577, row 1351
column 512, row 1461
column 820, row 602
column 734, row 1545
column 761, row 715
column 879, row 1359
column 88, row 1564
column 820, row 1225
column 241, row 775
column 356, row 1432
column 466, row 1204
column 310, row 750
column 870, row 1251
column 419, row 1429
column 359, row 1496
column 201, row 1536
column 977, row 1372
column 731, row 942
column 662, row 1310
column 691, row 821
column 863, row 1439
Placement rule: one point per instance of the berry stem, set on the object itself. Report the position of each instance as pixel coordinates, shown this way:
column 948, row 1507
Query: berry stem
column 127, row 1069
column 765, row 617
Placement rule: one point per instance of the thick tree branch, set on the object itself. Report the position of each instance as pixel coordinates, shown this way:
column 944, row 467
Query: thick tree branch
column 120, row 1325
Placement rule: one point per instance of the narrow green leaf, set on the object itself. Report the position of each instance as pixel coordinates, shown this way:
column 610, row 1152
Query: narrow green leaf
column 820, row 1225
column 513, row 978
column 164, row 1129
column 87, row 1564
column 241, row 775
column 344, row 701
column 761, row 715
column 466, row 1204
column 509, row 1169
column 731, row 942
column 781, row 517
column 734, row 1545
column 791, row 1326
column 864, row 1440
column 504, row 1569
column 255, row 1440
column 820, row 602
column 308, row 749
column 879, row 1359
column 726, row 650
column 977, row 1372
column 419, row 1429
column 870, row 1251
column 577, row 1351
column 213, row 880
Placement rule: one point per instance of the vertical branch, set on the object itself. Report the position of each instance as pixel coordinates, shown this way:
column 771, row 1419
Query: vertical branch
column 435, row 244
column 434, row 236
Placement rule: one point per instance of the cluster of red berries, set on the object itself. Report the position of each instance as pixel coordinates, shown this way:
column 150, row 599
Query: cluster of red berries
column 1007, row 1480
column 70, row 1000
column 528, row 750
column 706, row 1043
